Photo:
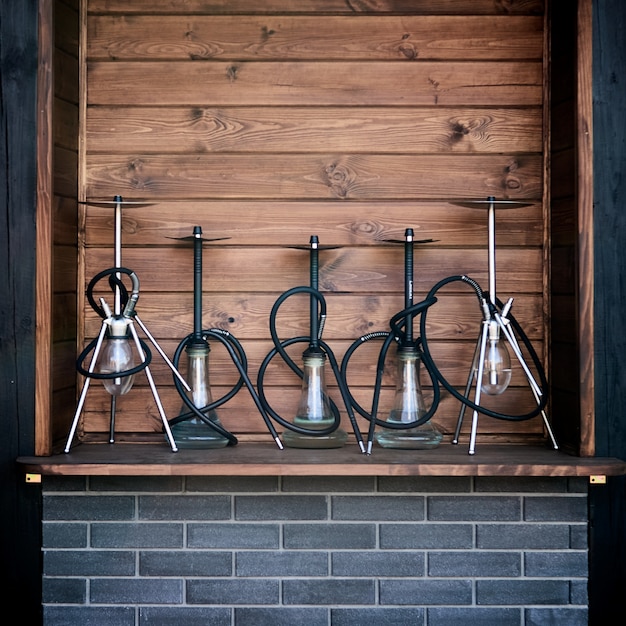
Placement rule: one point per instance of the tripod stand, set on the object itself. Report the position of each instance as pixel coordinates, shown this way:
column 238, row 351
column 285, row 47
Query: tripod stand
column 491, row 369
column 116, row 365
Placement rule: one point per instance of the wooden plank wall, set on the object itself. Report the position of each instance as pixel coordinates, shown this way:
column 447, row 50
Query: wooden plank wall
column 351, row 122
column 60, row 396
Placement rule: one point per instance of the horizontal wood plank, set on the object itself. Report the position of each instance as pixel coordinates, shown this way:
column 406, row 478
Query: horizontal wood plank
column 271, row 223
column 235, row 7
column 220, row 83
column 355, row 270
column 309, row 176
column 201, row 37
column 290, row 129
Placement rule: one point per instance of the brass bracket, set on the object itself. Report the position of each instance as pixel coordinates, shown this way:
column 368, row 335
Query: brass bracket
column 597, row 479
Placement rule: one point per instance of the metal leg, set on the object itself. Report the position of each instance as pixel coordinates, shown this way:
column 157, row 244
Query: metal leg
column 468, row 388
column 86, row 384
column 479, row 378
column 155, row 393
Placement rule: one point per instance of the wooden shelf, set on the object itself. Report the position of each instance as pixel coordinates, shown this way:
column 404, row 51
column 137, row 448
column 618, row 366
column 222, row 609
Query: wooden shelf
column 265, row 459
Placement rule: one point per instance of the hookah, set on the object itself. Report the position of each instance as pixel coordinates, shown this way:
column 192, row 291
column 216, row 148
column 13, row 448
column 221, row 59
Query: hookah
column 408, row 425
column 317, row 420
column 112, row 359
column 198, row 425
column 491, row 366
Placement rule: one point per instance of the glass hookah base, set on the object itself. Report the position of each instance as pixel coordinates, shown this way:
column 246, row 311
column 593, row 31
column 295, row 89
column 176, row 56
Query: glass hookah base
column 195, row 434
column 424, row 437
column 336, row 439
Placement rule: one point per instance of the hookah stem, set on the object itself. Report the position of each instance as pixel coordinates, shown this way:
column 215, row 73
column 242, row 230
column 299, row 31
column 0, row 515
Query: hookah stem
column 197, row 284
column 408, row 284
column 117, row 307
column 314, row 282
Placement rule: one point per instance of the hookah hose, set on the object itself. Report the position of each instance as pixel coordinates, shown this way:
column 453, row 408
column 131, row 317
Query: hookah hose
column 129, row 304
column 432, row 368
column 313, row 342
column 397, row 323
column 238, row 356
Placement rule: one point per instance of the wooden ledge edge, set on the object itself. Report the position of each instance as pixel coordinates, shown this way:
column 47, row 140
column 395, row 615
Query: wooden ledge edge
column 262, row 459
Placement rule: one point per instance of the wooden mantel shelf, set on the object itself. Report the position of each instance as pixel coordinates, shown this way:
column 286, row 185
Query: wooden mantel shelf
column 265, row 459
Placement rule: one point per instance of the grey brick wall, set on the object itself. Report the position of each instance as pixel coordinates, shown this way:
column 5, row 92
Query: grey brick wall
column 418, row 551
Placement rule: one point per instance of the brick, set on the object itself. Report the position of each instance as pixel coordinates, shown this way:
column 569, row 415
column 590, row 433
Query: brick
column 64, row 535
column 64, row 590
column 578, row 537
column 373, row 564
column 233, row 536
column 185, row 563
column 88, row 563
column 136, row 484
column 136, row 535
column 383, row 508
column 232, row 591
column 280, row 616
column 88, row 508
column 424, row 484
column 474, row 564
column 87, row 615
column 136, row 591
column 556, row 564
column 519, row 484
column 281, row 564
column 562, row 509
column 184, row 507
column 184, row 616
column 425, row 536
column 579, row 592
column 329, row 592
column 281, row 507
column 522, row 536
column 378, row 616
column 556, row 617
column 521, row 592
column 461, row 616
column 329, row 536
column 425, row 592
column 64, row 483
column 231, row 484
column 328, row 484
column 474, row 508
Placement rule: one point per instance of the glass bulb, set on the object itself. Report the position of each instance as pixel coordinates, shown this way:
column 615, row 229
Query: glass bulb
column 408, row 406
column 116, row 355
column 314, row 405
column 497, row 363
column 193, row 432
column 314, row 412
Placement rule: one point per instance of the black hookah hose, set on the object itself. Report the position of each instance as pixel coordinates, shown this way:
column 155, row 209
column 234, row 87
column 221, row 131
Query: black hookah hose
column 398, row 323
column 128, row 303
column 314, row 342
column 429, row 362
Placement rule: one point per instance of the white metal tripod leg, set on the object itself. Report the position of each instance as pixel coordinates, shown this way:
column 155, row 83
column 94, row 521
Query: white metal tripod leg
column 83, row 393
column 534, row 386
column 479, row 379
column 468, row 388
column 155, row 393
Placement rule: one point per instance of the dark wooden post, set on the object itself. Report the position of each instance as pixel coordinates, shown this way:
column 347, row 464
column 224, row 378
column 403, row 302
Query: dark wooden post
column 607, row 573
column 20, row 503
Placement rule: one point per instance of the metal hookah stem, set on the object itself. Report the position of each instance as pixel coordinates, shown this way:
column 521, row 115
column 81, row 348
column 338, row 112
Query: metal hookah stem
column 314, row 282
column 197, row 283
column 408, row 283
column 492, row 249
column 117, row 306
